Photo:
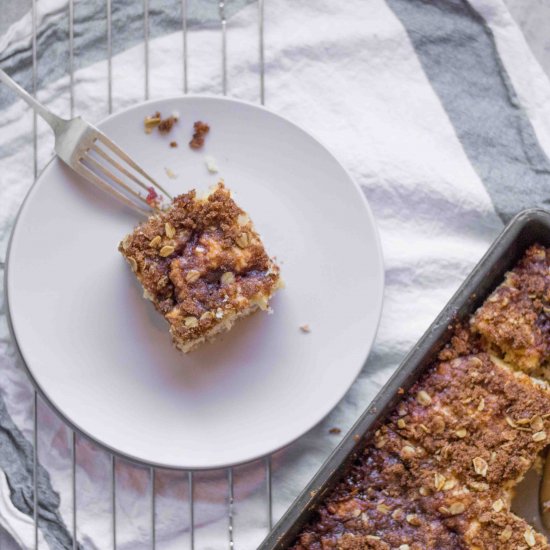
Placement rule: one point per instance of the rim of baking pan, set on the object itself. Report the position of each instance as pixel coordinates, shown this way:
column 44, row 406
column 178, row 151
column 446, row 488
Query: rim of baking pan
column 126, row 456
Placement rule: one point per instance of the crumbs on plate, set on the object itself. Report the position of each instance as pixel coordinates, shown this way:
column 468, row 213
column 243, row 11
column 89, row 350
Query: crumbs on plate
column 163, row 125
column 200, row 130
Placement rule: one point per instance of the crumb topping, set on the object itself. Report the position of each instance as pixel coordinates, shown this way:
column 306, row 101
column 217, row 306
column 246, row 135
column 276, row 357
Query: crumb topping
column 447, row 456
column 166, row 124
column 515, row 320
column 200, row 262
column 440, row 471
column 462, row 342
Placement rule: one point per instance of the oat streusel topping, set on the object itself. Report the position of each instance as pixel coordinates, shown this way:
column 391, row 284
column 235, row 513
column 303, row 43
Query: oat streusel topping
column 202, row 264
column 515, row 319
column 440, row 472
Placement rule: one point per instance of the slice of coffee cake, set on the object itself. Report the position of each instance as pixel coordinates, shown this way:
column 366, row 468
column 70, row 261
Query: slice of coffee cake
column 202, row 264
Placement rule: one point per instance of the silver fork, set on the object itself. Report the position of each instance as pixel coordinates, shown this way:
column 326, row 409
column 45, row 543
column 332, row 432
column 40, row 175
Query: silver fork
column 90, row 153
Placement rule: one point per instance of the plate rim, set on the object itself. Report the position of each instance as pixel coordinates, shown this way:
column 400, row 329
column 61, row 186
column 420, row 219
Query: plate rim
column 167, row 466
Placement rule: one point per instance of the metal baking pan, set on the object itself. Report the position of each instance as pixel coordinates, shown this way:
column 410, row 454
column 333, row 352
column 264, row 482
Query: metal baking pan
column 528, row 227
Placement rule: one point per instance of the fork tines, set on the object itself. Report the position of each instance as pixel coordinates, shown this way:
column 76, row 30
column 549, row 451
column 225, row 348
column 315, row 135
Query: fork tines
column 109, row 167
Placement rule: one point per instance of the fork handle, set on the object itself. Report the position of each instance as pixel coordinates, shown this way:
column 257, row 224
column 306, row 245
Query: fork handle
column 53, row 120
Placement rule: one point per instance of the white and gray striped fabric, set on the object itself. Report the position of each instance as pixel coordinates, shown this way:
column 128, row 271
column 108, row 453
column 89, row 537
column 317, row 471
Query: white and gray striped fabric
column 439, row 110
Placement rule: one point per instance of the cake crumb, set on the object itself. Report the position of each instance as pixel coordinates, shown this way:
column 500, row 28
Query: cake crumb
column 200, row 131
column 152, row 198
column 305, row 329
column 166, row 124
column 172, row 175
column 211, row 164
column 335, row 431
column 173, row 144
column 151, row 122
column 156, row 121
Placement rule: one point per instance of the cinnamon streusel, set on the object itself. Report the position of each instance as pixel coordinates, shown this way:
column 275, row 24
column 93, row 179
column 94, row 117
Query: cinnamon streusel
column 440, row 471
column 202, row 264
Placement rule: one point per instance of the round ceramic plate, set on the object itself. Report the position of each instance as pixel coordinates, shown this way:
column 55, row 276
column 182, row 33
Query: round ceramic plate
column 101, row 355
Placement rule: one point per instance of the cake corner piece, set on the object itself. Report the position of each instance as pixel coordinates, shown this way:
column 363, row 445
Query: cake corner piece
column 512, row 321
column 202, row 264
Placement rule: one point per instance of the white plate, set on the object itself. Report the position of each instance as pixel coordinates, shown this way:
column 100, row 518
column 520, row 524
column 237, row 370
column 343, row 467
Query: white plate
column 101, row 355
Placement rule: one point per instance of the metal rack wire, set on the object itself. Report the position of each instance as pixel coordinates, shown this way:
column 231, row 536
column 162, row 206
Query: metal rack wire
column 74, row 435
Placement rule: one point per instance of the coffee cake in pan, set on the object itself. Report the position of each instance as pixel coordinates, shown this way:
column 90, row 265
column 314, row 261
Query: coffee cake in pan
column 441, row 470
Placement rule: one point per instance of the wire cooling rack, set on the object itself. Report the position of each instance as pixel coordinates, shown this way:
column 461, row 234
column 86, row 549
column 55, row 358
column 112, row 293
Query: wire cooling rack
column 38, row 401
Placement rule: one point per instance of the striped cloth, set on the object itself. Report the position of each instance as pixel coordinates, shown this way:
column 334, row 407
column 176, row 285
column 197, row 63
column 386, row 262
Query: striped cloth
column 438, row 109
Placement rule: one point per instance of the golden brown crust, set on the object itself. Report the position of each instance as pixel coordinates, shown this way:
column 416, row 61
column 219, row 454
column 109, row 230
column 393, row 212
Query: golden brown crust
column 439, row 473
column 200, row 263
